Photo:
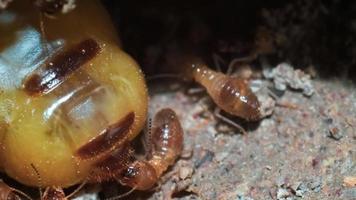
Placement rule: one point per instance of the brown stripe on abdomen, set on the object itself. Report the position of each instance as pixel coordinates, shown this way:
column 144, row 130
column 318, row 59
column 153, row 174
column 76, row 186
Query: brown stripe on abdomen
column 62, row 65
column 107, row 139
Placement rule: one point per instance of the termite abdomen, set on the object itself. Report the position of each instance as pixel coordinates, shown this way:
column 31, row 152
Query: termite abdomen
column 237, row 99
column 167, row 136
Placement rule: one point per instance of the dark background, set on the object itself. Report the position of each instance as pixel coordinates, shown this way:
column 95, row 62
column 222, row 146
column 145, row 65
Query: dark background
column 303, row 32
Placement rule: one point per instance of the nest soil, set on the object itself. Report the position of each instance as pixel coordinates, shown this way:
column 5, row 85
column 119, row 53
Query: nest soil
column 304, row 150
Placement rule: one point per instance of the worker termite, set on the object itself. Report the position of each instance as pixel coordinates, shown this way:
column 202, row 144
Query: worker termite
column 167, row 145
column 72, row 101
column 231, row 94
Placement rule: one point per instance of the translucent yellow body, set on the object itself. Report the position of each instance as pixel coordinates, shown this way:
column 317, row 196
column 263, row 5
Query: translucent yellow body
column 42, row 132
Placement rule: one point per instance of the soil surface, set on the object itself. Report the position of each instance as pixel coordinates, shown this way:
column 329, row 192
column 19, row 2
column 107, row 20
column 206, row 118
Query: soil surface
column 305, row 148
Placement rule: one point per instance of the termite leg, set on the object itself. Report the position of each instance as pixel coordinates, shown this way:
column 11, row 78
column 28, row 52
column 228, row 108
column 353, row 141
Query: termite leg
column 122, row 195
column 217, row 60
column 54, row 193
column 281, row 103
column 57, row 193
column 237, row 60
column 77, row 189
column 7, row 192
column 217, row 113
column 43, row 33
column 167, row 144
column 197, row 90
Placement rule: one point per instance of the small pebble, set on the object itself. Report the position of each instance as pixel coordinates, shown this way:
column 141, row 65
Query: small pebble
column 185, row 172
column 87, row 197
column 282, row 193
column 285, row 76
column 301, row 189
column 221, row 156
column 315, row 185
column 241, row 197
column 335, row 133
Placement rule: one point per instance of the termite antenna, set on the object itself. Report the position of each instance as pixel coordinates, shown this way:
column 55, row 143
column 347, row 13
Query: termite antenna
column 217, row 60
column 38, row 178
column 148, row 143
column 77, row 189
column 122, row 195
column 167, row 75
column 217, row 113
column 5, row 192
column 234, row 61
column 7, row 189
column 22, row 194
column 43, row 33
column 42, row 25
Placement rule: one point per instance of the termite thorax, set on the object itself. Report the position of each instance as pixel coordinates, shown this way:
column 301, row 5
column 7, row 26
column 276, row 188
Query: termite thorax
column 202, row 74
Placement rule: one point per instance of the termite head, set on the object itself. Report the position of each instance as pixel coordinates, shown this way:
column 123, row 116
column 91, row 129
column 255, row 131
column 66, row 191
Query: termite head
column 139, row 175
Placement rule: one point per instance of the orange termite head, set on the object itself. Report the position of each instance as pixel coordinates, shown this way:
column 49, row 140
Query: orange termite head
column 140, row 175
